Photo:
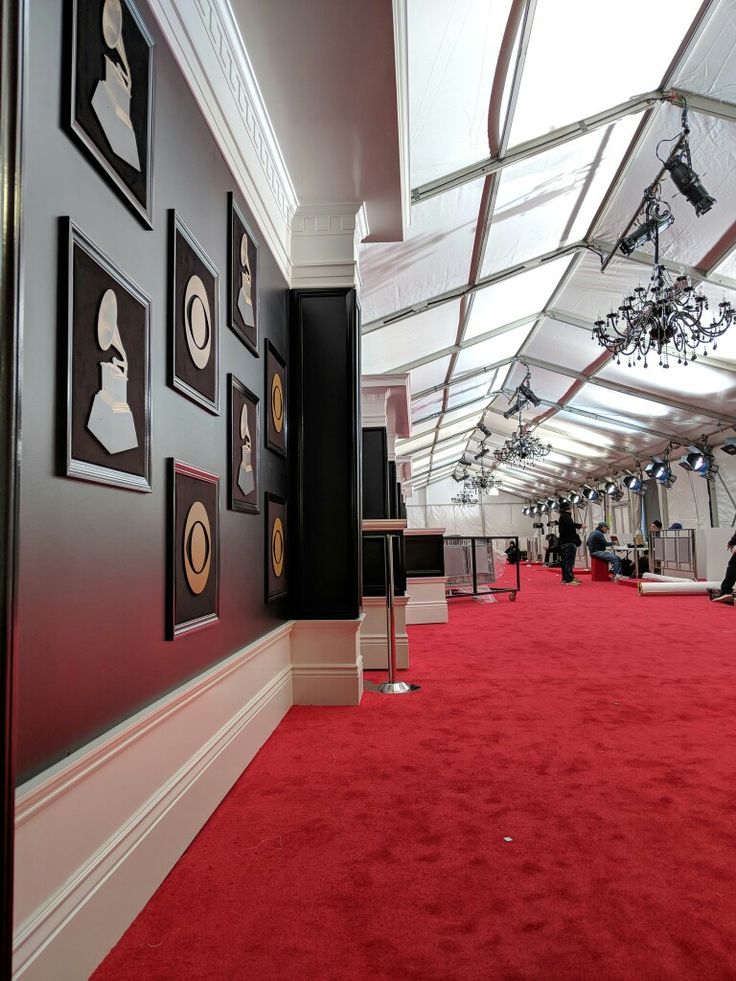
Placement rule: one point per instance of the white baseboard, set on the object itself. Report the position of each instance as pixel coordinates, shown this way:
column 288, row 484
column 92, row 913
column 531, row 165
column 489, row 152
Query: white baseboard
column 427, row 600
column 97, row 833
column 327, row 665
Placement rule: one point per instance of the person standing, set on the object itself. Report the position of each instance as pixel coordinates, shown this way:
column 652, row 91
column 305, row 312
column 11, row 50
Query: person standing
column 730, row 581
column 599, row 548
column 569, row 542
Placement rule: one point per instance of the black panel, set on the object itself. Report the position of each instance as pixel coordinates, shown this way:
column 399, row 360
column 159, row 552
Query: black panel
column 324, row 373
column 374, row 565
column 11, row 61
column 375, row 473
column 94, row 557
column 425, row 555
column 394, row 490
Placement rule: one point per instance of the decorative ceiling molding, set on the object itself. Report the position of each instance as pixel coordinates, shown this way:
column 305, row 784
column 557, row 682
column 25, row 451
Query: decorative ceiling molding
column 324, row 244
column 209, row 48
column 401, row 50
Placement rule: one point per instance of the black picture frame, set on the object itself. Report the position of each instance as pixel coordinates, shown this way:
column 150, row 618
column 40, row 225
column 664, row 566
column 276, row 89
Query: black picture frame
column 276, row 555
column 99, row 304
column 275, row 397
column 237, row 227
column 193, row 549
column 194, row 318
column 240, row 397
column 109, row 102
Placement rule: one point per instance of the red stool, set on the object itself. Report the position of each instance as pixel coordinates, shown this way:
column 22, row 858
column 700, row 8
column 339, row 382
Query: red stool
column 599, row 570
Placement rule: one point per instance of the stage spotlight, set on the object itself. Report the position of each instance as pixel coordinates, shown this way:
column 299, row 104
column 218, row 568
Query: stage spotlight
column 688, row 184
column 590, row 493
column 528, row 394
column 699, row 460
column 576, row 498
column 729, row 446
column 633, row 482
column 660, row 470
column 610, row 486
column 513, row 409
column 645, row 233
column 553, row 504
column 484, row 429
column 484, row 452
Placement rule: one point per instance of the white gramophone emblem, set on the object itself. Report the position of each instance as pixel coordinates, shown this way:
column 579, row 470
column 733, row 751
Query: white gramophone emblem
column 111, row 421
column 245, row 302
column 246, row 480
column 111, row 101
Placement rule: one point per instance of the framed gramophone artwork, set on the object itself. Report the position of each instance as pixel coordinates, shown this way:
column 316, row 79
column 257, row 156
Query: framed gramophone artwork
column 275, row 547
column 242, row 290
column 243, row 447
column 108, row 367
column 193, row 573
column 194, row 336
column 109, row 105
column 275, row 396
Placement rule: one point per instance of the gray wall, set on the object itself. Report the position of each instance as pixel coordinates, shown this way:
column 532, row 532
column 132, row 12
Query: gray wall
column 93, row 558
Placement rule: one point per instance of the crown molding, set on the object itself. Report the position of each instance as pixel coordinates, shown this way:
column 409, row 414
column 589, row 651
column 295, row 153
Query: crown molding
column 324, row 244
column 401, row 54
column 206, row 42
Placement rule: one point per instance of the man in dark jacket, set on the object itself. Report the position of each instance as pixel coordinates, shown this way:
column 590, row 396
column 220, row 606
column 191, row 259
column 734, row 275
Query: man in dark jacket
column 599, row 549
column 730, row 581
column 569, row 541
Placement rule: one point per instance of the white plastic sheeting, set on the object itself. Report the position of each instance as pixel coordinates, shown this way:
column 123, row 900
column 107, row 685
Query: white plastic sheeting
column 452, row 60
column 584, row 58
column 488, row 352
column 403, row 342
column 725, row 491
column 710, row 68
column 550, row 200
column 511, row 299
column 688, row 499
column 433, row 258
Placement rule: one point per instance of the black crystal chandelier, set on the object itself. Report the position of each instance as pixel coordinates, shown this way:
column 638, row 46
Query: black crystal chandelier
column 522, row 448
column 484, row 481
column 466, row 495
column 666, row 316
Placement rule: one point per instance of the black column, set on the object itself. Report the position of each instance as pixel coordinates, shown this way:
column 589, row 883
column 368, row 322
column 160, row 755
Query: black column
column 376, row 490
column 324, row 370
column 11, row 68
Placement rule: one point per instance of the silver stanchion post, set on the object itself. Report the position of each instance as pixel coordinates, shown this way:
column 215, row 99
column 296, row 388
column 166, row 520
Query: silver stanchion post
column 392, row 686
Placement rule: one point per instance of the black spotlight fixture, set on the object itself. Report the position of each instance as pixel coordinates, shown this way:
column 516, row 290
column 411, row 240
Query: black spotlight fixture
column 633, row 482
column 659, row 468
column 699, row 459
column 610, row 486
column 683, row 176
column 590, row 493
column 729, row 446
column 576, row 498
column 646, row 232
column 484, row 429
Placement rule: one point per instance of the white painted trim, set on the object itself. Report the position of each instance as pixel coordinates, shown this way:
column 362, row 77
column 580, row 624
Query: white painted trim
column 373, row 639
column 401, row 57
column 426, row 611
column 207, row 44
column 327, row 664
column 98, row 832
column 323, row 245
column 428, row 580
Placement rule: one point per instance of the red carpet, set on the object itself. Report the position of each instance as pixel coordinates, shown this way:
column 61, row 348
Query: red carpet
column 593, row 727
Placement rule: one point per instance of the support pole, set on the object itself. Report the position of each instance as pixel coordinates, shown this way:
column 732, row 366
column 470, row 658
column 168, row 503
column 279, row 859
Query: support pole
column 392, row 686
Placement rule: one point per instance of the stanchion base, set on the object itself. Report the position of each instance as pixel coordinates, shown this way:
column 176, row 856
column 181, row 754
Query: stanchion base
column 396, row 688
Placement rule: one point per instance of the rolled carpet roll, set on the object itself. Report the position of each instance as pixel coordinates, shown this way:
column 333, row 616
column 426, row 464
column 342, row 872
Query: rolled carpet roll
column 673, row 588
column 655, row 577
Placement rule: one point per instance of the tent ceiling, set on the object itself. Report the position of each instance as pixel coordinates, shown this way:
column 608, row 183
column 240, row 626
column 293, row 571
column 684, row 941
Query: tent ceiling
column 504, row 270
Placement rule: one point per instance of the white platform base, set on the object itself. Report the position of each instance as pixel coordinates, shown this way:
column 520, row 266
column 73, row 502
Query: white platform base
column 427, row 600
column 97, row 833
column 373, row 640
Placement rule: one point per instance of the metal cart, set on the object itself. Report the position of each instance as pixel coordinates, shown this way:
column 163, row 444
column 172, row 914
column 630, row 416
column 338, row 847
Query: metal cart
column 470, row 566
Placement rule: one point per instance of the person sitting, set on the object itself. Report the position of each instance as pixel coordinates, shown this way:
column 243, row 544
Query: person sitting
column 512, row 553
column 729, row 582
column 552, row 552
column 655, row 527
column 599, row 549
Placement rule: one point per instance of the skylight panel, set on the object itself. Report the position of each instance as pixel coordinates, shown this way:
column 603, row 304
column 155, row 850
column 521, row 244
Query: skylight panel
column 549, row 200
column 581, row 62
column 453, row 51
column 710, row 68
column 488, row 352
column 433, row 373
column 518, row 296
column 433, row 258
column 406, row 340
